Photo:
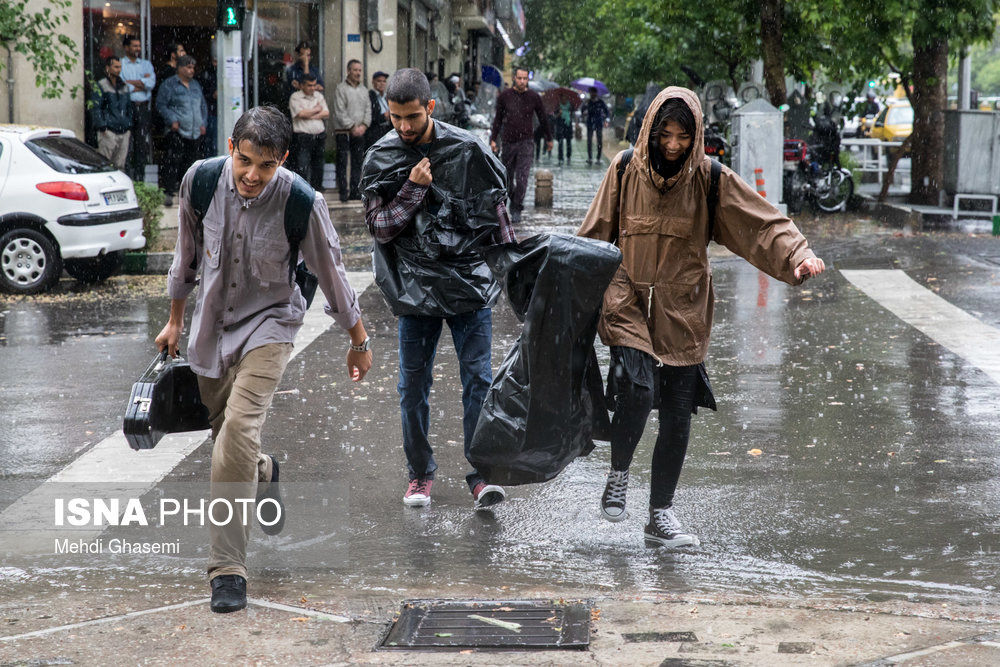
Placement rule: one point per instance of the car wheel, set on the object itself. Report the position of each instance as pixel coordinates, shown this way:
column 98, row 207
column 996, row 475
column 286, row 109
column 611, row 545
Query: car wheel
column 29, row 262
column 95, row 269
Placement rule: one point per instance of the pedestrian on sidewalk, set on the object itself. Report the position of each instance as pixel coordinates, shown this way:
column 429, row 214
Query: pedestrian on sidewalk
column 182, row 106
column 303, row 65
column 564, row 129
column 433, row 197
column 380, row 110
column 309, row 113
column 657, row 311
column 596, row 113
column 112, row 113
column 512, row 126
column 245, row 320
column 139, row 74
column 352, row 116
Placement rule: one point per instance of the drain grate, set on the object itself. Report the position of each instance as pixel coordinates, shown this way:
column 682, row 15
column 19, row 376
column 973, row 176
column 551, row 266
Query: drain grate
column 489, row 624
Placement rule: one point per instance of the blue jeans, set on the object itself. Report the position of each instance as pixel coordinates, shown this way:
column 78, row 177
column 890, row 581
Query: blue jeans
column 472, row 334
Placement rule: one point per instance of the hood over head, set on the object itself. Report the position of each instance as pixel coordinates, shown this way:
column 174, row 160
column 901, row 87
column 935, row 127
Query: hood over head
column 641, row 156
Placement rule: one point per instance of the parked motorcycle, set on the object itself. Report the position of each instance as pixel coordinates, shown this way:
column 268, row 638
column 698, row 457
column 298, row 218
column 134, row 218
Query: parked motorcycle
column 813, row 173
column 716, row 145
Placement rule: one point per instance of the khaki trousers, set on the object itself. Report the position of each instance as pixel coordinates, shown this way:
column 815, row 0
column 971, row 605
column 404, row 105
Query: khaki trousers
column 237, row 405
column 113, row 146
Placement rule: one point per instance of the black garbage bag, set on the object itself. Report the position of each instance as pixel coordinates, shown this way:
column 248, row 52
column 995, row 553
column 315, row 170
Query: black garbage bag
column 546, row 403
column 434, row 266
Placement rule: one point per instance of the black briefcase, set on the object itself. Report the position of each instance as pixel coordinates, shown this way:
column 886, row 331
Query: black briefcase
column 164, row 400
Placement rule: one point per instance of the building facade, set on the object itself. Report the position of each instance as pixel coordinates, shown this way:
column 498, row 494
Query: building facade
column 441, row 36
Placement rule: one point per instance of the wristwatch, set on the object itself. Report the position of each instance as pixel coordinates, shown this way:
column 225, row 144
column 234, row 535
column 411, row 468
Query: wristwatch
column 366, row 345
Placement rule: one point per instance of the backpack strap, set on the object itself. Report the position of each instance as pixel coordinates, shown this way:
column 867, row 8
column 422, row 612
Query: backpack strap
column 298, row 209
column 206, row 179
column 622, row 165
column 713, row 197
column 203, row 184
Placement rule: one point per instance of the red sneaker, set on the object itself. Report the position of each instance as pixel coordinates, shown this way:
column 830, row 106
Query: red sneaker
column 487, row 495
column 418, row 493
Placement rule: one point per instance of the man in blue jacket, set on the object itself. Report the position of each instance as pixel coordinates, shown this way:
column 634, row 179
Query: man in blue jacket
column 112, row 113
column 182, row 106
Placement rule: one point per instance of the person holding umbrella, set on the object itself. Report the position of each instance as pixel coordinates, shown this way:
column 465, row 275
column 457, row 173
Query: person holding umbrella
column 562, row 103
column 512, row 123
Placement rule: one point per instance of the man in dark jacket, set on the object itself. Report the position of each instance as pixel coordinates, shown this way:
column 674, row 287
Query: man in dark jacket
column 112, row 113
column 380, row 110
column 512, row 124
column 433, row 198
column 596, row 113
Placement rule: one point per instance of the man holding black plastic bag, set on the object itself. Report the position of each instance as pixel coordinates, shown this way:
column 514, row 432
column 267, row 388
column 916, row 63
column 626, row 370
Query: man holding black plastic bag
column 434, row 197
column 247, row 315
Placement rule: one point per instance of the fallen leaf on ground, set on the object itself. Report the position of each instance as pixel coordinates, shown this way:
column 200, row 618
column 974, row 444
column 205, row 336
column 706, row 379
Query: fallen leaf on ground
column 754, row 452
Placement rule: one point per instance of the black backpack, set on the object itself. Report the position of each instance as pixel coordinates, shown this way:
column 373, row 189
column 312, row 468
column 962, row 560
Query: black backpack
column 297, row 211
column 713, row 190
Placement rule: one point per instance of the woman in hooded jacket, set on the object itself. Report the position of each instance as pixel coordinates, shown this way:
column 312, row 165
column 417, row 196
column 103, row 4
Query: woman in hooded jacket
column 657, row 311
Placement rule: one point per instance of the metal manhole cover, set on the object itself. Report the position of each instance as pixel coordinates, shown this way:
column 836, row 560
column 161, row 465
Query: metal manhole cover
column 489, row 624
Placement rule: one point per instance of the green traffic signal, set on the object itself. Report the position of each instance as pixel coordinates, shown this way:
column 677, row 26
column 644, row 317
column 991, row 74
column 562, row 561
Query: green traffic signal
column 230, row 15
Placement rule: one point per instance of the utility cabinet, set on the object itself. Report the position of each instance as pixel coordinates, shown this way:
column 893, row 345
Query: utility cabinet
column 972, row 152
column 758, row 143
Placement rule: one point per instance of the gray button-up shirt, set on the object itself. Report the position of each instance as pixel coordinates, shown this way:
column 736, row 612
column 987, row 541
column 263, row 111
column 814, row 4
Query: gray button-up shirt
column 244, row 300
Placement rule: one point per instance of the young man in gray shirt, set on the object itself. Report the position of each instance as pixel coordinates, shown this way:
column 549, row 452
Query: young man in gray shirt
column 245, row 319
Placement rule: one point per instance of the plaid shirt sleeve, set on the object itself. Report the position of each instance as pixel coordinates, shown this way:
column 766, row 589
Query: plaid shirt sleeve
column 386, row 221
column 506, row 231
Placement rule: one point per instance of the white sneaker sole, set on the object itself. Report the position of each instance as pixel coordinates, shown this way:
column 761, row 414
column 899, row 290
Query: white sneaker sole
column 680, row 541
column 488, row 498
column 613, row 518
column 416, row 501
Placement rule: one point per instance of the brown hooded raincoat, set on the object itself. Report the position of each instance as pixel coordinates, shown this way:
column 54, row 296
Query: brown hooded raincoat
column 661, row 299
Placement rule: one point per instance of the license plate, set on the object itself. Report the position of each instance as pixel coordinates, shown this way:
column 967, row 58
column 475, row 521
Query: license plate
column 116, row 197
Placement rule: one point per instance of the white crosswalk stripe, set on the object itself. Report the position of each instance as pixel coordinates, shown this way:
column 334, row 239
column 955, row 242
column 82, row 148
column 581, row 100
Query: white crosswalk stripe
column 111, row 470
column 946, row 324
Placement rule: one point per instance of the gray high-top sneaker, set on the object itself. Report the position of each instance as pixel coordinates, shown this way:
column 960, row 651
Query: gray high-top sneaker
column 665, row 530
column 613, row 500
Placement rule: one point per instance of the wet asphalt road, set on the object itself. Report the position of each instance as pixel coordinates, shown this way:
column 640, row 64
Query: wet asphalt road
column 878, row 475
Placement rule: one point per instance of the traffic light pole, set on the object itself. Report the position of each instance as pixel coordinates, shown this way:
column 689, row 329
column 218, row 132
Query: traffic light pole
column 230, row 81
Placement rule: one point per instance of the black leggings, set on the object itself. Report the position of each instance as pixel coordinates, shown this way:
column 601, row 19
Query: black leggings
column 676, row 387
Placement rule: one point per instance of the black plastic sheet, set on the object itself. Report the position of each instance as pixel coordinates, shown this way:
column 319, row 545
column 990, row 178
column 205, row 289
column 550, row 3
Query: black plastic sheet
column 434, row 266
column 546, row 403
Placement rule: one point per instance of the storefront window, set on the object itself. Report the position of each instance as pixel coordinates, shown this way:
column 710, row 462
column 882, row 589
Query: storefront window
column 281, row 25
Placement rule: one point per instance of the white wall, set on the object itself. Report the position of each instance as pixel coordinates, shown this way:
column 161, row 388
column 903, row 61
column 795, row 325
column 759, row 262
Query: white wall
column 30, row 107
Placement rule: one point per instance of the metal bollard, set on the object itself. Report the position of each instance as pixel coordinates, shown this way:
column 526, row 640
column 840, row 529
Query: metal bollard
column 543, row 188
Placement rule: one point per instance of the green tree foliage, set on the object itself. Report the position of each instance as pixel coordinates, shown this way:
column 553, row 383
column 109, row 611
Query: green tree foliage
column 40, row 36
column 987, row 79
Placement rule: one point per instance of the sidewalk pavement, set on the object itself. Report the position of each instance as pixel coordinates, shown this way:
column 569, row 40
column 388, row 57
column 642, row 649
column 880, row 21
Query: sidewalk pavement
column 127, row 622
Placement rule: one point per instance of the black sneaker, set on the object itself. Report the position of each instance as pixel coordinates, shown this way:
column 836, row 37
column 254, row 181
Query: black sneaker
column 665, row 530
column 272, row 513
column 229, row 593
column 613, row 500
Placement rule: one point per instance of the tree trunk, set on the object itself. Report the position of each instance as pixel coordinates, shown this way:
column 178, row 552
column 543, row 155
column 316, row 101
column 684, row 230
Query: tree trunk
column 773, row 51
column 929, row 98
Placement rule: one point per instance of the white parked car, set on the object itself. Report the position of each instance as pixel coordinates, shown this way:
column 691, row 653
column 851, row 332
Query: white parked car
column 62, row 204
